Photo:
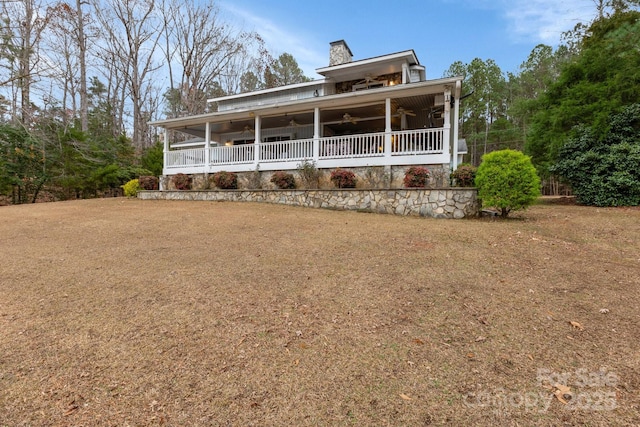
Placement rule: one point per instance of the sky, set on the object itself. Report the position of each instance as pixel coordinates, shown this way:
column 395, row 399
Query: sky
column 440, row 32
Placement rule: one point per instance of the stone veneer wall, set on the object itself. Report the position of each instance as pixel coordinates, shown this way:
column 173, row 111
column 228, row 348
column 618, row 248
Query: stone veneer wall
column 429, row 202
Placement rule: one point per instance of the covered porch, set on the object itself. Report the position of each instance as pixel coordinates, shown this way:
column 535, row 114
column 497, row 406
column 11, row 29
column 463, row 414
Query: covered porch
column 412, row 124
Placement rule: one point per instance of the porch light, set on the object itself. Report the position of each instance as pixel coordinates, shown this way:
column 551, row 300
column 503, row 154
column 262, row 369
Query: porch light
column 228, row 143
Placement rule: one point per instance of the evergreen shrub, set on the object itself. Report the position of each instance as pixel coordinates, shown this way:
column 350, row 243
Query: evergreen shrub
column 148, row 182
column 182, row 181
column 283, row 180
column 131, row 188
column 343, row 178
column 465, row 175
column 416, row 176
column 507, row 181
column 225, row 180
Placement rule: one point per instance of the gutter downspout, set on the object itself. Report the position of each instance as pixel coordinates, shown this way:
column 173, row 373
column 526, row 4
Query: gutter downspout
column 456, row 119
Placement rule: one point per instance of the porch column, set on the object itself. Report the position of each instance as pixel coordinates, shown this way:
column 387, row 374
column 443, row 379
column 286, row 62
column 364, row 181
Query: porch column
column 387, row 127
column 446, row 134
column 316, row 135
column 405, row 73
column 207, row 145
column 165, row 150
column 455, row 136
column 256, row 142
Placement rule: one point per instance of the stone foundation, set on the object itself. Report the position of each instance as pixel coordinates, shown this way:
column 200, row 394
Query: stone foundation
column 378, row 177
column 451, row 202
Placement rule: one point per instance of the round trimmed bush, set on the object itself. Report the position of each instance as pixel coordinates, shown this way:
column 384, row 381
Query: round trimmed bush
column 416, row 176
column 343, row 178
column 131, row 188
column 465, row 175
column 181, row 181
column 148, row 182
column 283, row 180
column 225, row 180
column 507, row 181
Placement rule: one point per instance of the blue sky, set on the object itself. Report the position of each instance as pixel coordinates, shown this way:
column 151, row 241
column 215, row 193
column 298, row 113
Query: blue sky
column 439, row 31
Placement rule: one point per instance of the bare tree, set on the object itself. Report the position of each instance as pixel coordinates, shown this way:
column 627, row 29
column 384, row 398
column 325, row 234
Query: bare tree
column 131, row 43
column 204, row 47
column 25, row 24
column 82, row 62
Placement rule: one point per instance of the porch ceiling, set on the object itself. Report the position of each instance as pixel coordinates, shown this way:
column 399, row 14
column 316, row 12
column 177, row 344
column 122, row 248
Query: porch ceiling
column 417, row 98
column 366, row 117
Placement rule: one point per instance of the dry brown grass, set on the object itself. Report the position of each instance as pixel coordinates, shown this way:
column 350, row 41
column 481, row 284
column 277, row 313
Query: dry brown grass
column 127, row 312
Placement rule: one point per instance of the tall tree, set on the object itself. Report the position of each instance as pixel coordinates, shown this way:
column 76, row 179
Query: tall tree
column 488, row 103
column 284, row 71
column 589, row 89
column 202, row 46
column 82, row 62
column 21, row 39
column 133, row 39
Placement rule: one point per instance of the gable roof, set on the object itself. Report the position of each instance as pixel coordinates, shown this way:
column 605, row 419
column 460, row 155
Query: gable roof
column 376, row 66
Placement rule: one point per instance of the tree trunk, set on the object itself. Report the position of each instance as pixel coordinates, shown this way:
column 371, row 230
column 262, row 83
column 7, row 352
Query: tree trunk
column 82, row 55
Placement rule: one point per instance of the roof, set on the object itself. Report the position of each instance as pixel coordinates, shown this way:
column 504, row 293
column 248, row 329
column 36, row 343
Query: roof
column 267, row 91
column 378, row 65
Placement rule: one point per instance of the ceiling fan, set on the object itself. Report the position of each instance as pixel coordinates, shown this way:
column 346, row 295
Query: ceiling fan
column 293, row 123
column 247, row 129
column 401, row 111
column 347, row 118
column 368, row 79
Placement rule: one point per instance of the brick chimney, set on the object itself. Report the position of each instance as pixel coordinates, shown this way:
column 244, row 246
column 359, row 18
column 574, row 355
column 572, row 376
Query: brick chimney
column 339, row 53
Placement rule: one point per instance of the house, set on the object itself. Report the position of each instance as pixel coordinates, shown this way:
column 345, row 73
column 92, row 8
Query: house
column 379, row 114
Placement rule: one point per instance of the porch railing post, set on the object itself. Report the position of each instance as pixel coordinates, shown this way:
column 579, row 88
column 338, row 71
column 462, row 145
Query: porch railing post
column 165, row 150
column 316, row 135
column 387, row 130
column 446, row 132
column 456, row 114
column 256, row 142
column 207, row 146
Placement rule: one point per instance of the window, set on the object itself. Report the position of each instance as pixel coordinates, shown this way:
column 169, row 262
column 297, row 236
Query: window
column 277, row 138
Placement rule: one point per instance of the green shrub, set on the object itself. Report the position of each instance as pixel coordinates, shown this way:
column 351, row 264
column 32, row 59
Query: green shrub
column 465, row 175
column 343, row 178
column 507, row 181
column 182, row 181
column 604, row 171
column 148, row 182
column 153, row 158
column 309, row 174
column 131, row 188
column 416, row 176
column 225, row 180
column 283, row 180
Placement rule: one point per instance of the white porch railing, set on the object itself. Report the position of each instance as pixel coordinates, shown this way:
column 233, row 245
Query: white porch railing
column 296, row 150
column 231, row 155
column 190, row 157
column 336, row 151
column 351, row 146
column 428, row 141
